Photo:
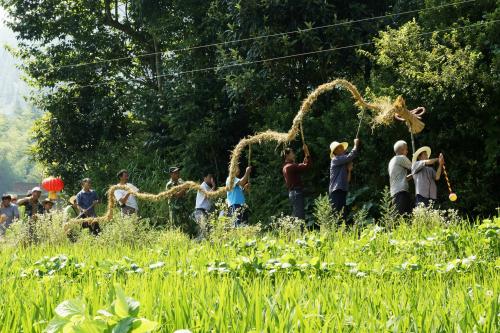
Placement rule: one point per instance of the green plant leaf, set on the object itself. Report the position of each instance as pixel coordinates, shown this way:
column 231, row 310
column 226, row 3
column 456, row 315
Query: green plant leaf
column 120, row 304
column 142, row 325
column 314, row 262
column 123, row 326
column 70, row 308
column 70, row 328
column 56, row 325
column 91, row 326
column 105, row 313
column 133, row 307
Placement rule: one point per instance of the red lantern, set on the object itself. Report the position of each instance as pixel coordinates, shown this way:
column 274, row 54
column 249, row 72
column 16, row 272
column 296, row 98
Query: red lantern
column 53, row 185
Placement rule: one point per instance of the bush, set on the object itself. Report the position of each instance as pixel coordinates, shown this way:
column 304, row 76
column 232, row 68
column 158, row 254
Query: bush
column 47, row 229
column 126, row 230
column 287, row 225
column 388, row 215
column 325, row 217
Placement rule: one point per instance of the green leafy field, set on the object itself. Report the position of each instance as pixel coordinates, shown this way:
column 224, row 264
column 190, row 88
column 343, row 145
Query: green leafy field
column 425, row 275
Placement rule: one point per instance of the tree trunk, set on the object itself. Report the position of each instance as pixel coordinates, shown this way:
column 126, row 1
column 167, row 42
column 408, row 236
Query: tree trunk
column 158, row 65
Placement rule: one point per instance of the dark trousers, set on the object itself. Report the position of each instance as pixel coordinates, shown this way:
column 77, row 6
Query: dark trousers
column 127, row 211
column 296, row 198
column 241, row 214
column 94, row 228
column 426, row 201
column 402, row 201
column 338, row 202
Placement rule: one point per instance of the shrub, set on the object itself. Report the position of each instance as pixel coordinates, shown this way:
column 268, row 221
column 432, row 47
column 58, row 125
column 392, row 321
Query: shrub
column 388, row 215
column 325, row 217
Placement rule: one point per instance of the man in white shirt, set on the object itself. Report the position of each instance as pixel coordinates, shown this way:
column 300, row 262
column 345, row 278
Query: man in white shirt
column 398, row 178
column 126, row 201
column 203, row 204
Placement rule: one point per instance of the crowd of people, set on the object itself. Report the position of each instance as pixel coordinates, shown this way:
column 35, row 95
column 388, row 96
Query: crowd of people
column 401, row 171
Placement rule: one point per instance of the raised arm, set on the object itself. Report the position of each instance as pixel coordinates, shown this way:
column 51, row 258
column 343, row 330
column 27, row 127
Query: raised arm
column 431, row 161
column 440, row 167
column 23, row 201
column 343, row 159
column 306, row 164
column 243, row 181
column 307, row 159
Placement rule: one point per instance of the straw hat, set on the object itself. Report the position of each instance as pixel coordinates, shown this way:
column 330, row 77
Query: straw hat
column 420, row 151
column 72, row 200
column 334, row 146
column 47, row 201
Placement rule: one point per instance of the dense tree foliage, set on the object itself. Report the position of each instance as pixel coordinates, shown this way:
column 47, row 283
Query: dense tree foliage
column 147, row 110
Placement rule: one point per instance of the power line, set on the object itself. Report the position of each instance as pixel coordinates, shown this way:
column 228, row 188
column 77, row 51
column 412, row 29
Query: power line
column 216, row 68
column 257, row 37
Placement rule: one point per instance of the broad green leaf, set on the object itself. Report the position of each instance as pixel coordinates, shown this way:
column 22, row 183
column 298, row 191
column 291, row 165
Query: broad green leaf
column 56, row 325
column 91, row 326
column 105, row 313
column 123, row 326
column 133, row 307
column 70, row 308
column 120, row 303
column 314, row 262
column 77, row 318
column 69, row 328
column 142, row 325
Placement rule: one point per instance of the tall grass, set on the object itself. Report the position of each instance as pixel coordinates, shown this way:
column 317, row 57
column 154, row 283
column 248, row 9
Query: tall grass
column 434, row 273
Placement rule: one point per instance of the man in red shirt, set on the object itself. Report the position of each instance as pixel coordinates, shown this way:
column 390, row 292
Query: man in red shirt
column 292, row 172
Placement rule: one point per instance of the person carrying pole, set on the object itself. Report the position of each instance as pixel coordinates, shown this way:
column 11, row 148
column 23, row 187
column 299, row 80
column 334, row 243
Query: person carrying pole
column 204, row 205
column 178, row 213
column 86, row 200
column 126, row 200
column 339, row 174
column 399, row 166
column 425, row 176
column 292, row 173
column 235, row 197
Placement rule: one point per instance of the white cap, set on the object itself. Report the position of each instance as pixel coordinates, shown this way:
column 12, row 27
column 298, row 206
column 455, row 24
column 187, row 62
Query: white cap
column 36, row 189
column 399, row 144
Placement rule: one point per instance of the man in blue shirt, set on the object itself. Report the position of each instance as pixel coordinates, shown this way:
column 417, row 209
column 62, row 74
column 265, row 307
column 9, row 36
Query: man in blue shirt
column 339, row 174
column 236, row 197
column 86, row 200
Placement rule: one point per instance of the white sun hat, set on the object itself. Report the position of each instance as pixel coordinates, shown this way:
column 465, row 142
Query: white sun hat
column 420, row 151
column 334, row 146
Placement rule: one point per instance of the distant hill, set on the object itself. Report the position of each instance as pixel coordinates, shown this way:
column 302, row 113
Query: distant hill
column 16, row 119
column 12, row 87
